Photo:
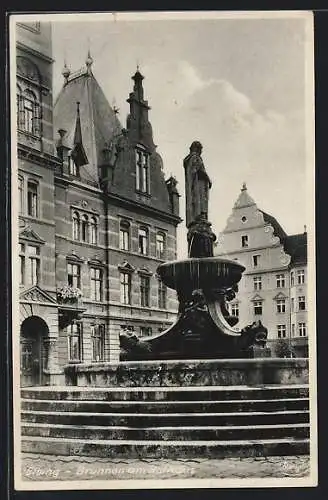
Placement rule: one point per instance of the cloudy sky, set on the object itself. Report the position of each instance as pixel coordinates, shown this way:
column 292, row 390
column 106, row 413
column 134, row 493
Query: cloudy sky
column 238, row 85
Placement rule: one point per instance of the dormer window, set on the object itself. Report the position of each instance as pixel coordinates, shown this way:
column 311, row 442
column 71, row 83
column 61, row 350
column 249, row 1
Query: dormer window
column 72, row 167
column 142, row 170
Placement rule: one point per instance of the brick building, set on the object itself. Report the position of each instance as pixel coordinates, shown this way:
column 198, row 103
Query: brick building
column 96, row 217
column 273, row 287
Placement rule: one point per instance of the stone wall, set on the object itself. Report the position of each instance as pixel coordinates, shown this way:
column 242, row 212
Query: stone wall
column 224, row 372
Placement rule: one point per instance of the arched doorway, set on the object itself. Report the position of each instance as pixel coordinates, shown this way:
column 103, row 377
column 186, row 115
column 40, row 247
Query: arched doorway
column 32, row 352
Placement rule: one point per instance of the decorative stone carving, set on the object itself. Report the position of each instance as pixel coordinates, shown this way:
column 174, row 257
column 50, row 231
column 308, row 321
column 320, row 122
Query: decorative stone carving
column 27, row 69
column 35, row 294
column 29, row 234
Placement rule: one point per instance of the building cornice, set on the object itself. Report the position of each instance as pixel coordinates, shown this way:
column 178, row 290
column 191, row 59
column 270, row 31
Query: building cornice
column 143, row 209
column 34, row 52
column 37, row 157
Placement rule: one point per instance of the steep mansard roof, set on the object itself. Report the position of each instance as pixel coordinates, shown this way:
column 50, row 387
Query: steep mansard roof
column 99, row 123
column 296, row 246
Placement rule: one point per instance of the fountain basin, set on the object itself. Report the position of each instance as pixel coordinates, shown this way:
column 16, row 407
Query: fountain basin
column 200, row 273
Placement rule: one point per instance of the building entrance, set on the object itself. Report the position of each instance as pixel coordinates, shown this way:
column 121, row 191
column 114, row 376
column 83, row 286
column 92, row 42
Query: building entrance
column 32, row 352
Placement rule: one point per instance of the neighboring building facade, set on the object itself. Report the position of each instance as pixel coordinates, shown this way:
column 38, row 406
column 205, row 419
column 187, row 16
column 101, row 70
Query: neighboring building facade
column 273, row 287
column 97, row 217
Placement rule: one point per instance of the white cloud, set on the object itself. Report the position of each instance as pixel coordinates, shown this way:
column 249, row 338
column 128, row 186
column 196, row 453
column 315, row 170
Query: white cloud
column 266, row 148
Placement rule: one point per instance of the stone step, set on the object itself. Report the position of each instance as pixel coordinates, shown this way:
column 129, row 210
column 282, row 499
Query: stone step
column 181, row 433
column 196, row 393
column 166, row 406
column 165, row 449
column 137, row 420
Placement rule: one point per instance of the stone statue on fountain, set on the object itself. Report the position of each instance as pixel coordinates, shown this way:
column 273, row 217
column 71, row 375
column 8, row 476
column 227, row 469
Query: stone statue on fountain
column 198, row 184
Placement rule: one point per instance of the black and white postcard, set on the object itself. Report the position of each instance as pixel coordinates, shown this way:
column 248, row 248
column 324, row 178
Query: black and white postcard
column 163, row 250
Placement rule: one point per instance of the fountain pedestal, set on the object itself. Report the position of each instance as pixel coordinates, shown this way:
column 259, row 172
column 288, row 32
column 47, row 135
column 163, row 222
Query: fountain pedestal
column 204, row 329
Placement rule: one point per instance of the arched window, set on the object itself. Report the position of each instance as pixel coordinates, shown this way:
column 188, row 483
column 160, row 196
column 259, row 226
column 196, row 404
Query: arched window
column 32, row 198
column 142, row 170
column 124, row 235
column 72, row 167
column 76, row 226
column 93, row 231
column 84, row 228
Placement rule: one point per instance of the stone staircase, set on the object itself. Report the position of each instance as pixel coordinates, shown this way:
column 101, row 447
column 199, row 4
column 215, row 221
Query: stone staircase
column 170, row 422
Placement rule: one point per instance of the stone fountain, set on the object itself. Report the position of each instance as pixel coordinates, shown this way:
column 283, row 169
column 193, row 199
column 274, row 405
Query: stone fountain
column 204, row 284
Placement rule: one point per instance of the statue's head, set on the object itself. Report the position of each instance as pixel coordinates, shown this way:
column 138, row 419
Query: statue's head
column 196, row 147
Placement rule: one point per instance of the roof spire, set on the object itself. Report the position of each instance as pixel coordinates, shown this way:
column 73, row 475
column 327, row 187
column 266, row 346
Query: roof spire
column 88, row 62
column 244, row 187
column 78, row 153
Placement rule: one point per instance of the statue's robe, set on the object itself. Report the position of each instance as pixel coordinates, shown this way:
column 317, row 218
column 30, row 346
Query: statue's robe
column 197, row 185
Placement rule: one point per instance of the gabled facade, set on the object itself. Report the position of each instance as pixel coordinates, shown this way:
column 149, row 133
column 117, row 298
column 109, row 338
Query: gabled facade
column 273, row 288
column 97, row 217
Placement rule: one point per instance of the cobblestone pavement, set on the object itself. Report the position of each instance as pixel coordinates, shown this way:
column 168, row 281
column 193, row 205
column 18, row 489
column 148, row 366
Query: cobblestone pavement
column 50, row 468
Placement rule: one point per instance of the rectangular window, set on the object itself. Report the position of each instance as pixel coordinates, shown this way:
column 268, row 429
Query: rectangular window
column 293, row 330
column 75, row 342
column 292, row 278
column 21, row 194
column 143, row 241
column 257, row 281
column 281, row 305
column 96, row 284
column 256, row 260
column 145, row 331
column 33, row 265
column 32, row 199
column 74, row 275
column 244, row 241
column 292, row 304
column 22, row 263
column 234, row 310
column 302, row 329
column 98, row 342
column 161, row 295
column 125, row 288
column 300, row 277
column 301, row 303
column 280, row 279
column 144, row 291
column 124, row 235
column 257, row 307
column 160, row 246
column 281, row 331
column 28, row 115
